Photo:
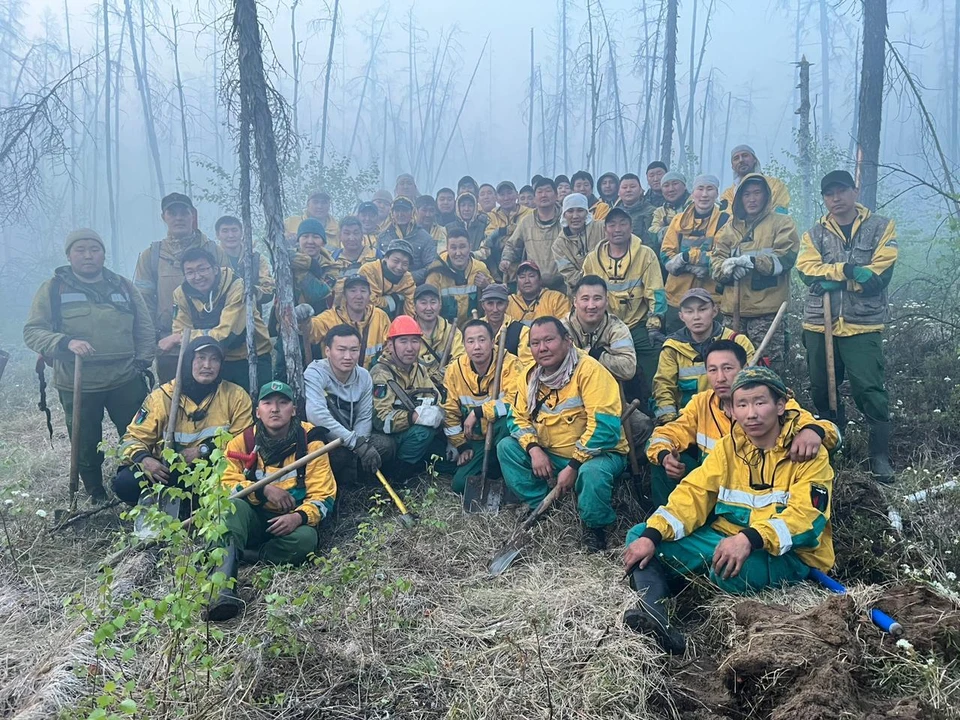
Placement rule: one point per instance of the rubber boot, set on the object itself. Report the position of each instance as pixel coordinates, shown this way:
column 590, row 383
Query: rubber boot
column 880, row 466
column 228, row 604
column 594, row 539
column 93, row 484
column 650, row 616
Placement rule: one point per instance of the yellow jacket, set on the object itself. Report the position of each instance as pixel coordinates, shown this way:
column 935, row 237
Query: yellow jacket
column 693, row 237
column 439, row 233
column 468, row 392
column 292, row 224
column 313, row 488
column 458, row 289
column 433, row 344
column 781, row 505
column 222, row 315
column 265, row 282
column 703, row 422
column 824, row 251
column 228, row 408
column 772, row 242
column 634, row 283
column 395, row 298
column 580, row 421
column 343, row 268
column 373, row 330
column 610, row 344
column 498, row 218
column 571, row 250
column 780, row 195
column 664, row 214
column 523, row 351
column 599, row 210
column 549, row 303
column 681, row 372
column 390, row 413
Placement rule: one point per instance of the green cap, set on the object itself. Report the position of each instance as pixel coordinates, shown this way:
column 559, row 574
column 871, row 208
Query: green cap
column 756, row 375
column 274, row 387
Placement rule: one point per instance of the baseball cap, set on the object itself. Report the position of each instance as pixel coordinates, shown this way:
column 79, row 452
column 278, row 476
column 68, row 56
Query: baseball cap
column 275, row 387
column 836, row 177
column 495, row 291
column 696, row 293
column 175, row 199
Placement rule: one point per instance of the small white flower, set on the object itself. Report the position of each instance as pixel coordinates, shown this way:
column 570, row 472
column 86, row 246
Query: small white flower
column 41, row 513
column 937, row 411
column 24, row 494
column 948, row 379
column 8, row 501
column 899, row 403
column 951, row 576
column 904, row 644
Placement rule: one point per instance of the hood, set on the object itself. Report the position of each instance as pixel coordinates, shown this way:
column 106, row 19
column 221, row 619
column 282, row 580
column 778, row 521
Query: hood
column 442, row 264
column 609, row 199
column 476, row 205
column 683, row 341
column 738, row 212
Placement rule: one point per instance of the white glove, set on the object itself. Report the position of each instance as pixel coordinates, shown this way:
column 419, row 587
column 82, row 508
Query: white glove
column 744, row 261
column 452, row 453
column 739, row 273
column 302, row 313
column 675, row 265
column 698, row 271
column 391, row 304
column 727, row 267
column 429, row 416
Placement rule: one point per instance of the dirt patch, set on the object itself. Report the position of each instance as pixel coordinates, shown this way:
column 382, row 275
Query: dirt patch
column 930, row 622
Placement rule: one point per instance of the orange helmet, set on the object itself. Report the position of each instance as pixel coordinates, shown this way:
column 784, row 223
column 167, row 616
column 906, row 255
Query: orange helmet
column 404, row 325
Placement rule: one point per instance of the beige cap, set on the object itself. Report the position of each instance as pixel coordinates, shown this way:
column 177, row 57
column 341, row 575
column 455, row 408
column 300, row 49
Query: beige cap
column 82, row 234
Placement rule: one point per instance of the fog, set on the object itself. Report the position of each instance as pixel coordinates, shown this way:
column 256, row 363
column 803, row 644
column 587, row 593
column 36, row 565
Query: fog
column 747, row 71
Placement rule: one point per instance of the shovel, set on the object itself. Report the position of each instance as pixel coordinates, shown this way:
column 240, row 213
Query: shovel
column 828, row 347
column 635, row 474
column 482, row 494
column 75, row 435
column 4, row 357
column 147, row 498
column 504, row 559
column 406, row 519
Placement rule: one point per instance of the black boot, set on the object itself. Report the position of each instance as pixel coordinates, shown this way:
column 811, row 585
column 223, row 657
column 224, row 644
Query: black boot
column 93, row 484
column 880, row 466
column 228, row 604
column 651, row 616
column 594, row 539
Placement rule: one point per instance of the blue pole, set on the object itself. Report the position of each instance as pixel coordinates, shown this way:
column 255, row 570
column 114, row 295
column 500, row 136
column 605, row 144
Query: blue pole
column 879, row 618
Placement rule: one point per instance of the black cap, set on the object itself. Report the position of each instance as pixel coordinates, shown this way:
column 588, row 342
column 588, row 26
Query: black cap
column 175, row 199
column 367, row 207
column 506, row 184
column 836, row 177
column 615, row 213
column 352, row 280
column 426, row 289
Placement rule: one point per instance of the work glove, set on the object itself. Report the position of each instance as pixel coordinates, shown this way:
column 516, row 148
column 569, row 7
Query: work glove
column 822, row 286
column 728, row 266
column 452, row 454
column 860, row 274
column 675, row 265
column 395, row 303
column 667, row 418
column 596, row 351
column 744, row 261
column 300, row 261
column 429, row 416
column 698, row 271
column 657, row 338
column 739, row 273
column 302, row 313
column 368, row 456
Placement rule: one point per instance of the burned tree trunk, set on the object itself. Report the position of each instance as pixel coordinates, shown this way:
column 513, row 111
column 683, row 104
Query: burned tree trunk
column 669, row 82
column 530, row 121
column 326, row 83
column 871, row 99
column 250, row 273
column 827, row 132
column 183, row 103
column 111, row 201
column 803, row 140
column 253, row 90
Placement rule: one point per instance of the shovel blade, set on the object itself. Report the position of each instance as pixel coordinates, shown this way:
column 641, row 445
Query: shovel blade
column 480, row 496
column 503, row 561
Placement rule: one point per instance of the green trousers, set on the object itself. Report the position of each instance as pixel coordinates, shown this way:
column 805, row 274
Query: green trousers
column 247, row 527
column 857, row 357
column 693, row 555
column 648, row 357
column 238, row 372
column 661, row 484
column 475, row 465
column 121, row 404
column 414, row 443
column 594, row 484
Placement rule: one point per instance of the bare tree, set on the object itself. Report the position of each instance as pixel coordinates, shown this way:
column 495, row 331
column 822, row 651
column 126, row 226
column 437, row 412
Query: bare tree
column 297, row 61
column 326, row 83
column 669, row 82
column 530, row 116
column 175, row 44
column 618, row 107
column 804, row 141
column 871, row 99
column 111, row 204
column 375, row 44
column 825, row 71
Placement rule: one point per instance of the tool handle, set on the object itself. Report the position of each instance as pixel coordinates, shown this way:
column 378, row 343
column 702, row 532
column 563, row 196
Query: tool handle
column 828, row 348
column 75, row 430
column 392, row 493
column 171, row 432
column 631, row 450
column 769, row 334
column 634, row 405
column 736, row 308
column 448, row 345
column 494, row 394
column 541, row 508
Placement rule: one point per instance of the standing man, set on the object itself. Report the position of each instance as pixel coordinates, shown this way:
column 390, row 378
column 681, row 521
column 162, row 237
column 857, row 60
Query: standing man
column 383, row 201
column 579, row 234
column 89, row 312
column 565, row 425
column 230, row 236
column 470, row 407
column 608, row 188
column 563, row 187
column 527, row 198
column 532, row 300
column 472, row 223
column 369, row 215
column 751, row 259
column 446, row 206
column 675, row 197
column 636, row 206
column 427, row 217
column 850, row 253
column 212, row 299
column 655, row 172
column 501, row 222
column 744, row 162
column 339, row 399
column 352, row 254
column 403, row 227
column 632, row 274
column 459, row 276
column 357, row 311
column 158, row 271
column 436, row 332
column 390, row 281
column 277, row 524
column 686, row 247
column 583, row 184
column 406, row 403
column 533, row 239
column 487, row 199
column 406, row 187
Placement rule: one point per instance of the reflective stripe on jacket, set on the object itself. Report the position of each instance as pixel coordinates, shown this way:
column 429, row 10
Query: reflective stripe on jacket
column 634, row 284
column 548, row 303
column 466, row 391
column 693, row 237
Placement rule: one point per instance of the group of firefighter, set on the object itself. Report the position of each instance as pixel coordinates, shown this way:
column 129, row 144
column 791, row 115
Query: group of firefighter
column 583, row 324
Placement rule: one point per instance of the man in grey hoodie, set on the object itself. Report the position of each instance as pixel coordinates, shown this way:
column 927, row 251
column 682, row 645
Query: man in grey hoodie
column 339, row 398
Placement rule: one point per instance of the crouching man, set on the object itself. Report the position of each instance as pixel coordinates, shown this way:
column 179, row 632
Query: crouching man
column 750, row 517
column 208, row 404
column 278, row 522
column 339, row 399
column 566, row 425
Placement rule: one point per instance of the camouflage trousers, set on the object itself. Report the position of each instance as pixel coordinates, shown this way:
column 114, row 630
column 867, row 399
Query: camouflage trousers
column 756, row 328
